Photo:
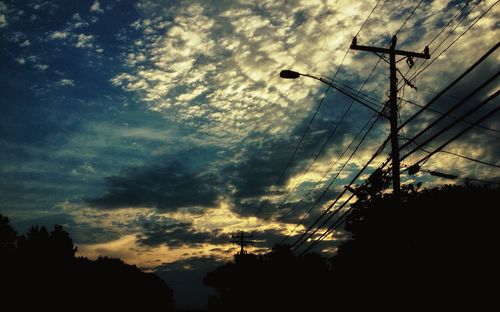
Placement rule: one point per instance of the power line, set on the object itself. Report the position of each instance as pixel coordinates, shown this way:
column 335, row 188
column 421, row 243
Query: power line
column 345, row 113
column 297, row 242
column 408, row 17
column 336, row 175
column 450, row 21
column 314, row 116
column 354, row 97
column 470, row 112
column 300, row 241
column 454, row 123
column 470, row 158
column 293, row 155
column 452, row 84
column 454, row 154
column 456, row 26
column 424, row 159
column 297, row 245
column 330, row 135
column 465, row 73
column 378, row 113
column 443, row 29
column 402, row 99
column 338, row 222
column 317, row 156
column 376, row 154
column 341, row 219
column 363, row 96
column 456, row 136
column 450, row 116
column 454, row 41
column 366, row 20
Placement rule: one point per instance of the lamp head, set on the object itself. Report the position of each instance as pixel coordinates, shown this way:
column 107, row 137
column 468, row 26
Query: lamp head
column 289, row 74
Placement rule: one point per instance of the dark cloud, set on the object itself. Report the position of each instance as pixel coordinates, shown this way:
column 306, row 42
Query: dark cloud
column 159, row 230
column 166, row 187
column 261, row 165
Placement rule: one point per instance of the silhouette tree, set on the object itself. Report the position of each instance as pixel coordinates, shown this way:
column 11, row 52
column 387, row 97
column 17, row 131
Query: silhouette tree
column 431, row 248
column 8, row 236
column 42, row 272
column 276, row 281
column 417, row 250
column 61, row 245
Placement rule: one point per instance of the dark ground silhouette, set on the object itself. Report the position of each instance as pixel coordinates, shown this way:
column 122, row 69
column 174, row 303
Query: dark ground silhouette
column 39, row 270
column 433, row 250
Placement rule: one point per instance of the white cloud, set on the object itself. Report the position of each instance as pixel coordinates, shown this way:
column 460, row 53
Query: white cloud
column 25, row 43
column 238, row 69
column 41, row 67
column 84, row 41
column 96, row 7
column 78, row 22
column 3, row 18
column 3, row 21
column 58, row 35
column 66, row 82
column 218, row 71
column 16, row 36
column 21, row 60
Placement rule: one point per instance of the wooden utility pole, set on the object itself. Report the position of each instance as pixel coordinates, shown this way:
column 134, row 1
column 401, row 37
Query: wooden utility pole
column 242, row 240
column 393, row 100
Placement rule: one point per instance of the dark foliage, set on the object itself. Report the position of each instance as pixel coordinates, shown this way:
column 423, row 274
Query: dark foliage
column 253, row 282
column 433, row 248
column 40, row 270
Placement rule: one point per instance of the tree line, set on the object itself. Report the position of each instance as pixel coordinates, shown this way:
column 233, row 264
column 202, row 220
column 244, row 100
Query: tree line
column 40, row 270
column 432, row 249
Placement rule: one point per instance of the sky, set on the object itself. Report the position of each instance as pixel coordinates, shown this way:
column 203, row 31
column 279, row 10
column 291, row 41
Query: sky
column 154, row 130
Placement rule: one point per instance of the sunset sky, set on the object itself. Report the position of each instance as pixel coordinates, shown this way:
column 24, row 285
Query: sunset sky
column 153, row 130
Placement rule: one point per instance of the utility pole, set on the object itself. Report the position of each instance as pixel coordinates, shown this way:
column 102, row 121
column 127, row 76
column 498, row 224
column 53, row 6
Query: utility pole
column 242, row 240
column 393, row 100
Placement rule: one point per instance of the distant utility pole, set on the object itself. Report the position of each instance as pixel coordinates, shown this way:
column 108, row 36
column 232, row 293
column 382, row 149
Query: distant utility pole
column 393, row 100
column 242, row 240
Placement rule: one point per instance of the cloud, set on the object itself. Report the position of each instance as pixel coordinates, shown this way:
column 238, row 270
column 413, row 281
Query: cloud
column 3, row 21
column 167, row 187
column 41, row 67
column 96, row 7
column 66, row 82
column 84, row 41
column 78, row 22
column 21, row 60
column 174, row 234
column 228, row 87
column 197, row 126
column 58, row 35
column 25, row 43
column 3, row 17
column 16, row 36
